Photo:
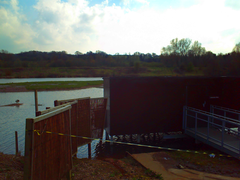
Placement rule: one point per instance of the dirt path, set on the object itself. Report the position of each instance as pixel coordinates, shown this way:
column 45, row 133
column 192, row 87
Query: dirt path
column 162, row 163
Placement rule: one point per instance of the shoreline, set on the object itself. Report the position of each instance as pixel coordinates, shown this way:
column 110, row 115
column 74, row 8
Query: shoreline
column 23, row 88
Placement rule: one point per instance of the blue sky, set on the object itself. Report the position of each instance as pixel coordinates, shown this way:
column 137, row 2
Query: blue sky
column 117, row 26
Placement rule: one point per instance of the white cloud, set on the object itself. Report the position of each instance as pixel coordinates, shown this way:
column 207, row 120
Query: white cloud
column 128, row 2
column 13, row 26
column 4, row 2
column 235, row 4
column 74, row 25
column 147, row 30
column 142, row 1
column 14, row 4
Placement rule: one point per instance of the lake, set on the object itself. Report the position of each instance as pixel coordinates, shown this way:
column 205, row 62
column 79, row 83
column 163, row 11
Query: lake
column 13, row 118
column 16, row 80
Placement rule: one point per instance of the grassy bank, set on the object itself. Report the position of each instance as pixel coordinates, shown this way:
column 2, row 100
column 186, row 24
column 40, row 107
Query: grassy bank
column 49, row 85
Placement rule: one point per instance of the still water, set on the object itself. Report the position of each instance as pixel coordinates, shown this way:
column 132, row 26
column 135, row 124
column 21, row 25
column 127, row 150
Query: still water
column 16, row 80
column 13, row 118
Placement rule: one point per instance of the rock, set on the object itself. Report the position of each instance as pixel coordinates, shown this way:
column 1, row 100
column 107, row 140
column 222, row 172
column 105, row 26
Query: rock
column 180, row 166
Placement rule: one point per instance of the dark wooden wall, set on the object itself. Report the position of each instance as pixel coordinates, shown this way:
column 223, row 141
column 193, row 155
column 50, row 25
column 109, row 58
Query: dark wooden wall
column 155, row 104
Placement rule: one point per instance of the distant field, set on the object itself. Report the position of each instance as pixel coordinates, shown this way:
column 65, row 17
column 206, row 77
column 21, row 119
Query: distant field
column 50, row 72
column 50, row 85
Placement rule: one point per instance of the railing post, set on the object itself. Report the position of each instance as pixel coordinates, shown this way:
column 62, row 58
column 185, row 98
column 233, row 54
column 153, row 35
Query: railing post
column 239, row 133
column 208, row 128
column 239, row 126
column 196, row 124
column 183, row 122
column 239, row 145
column 223, row 131
column 211, row 107
column 212, row 115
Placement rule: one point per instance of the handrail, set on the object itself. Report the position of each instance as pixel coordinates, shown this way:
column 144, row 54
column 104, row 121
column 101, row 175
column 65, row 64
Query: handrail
column 216, row 116
column 197, row 116
column 226, row 109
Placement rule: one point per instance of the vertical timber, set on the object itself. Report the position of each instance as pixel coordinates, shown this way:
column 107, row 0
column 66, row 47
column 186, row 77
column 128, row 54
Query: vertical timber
column 28, row 156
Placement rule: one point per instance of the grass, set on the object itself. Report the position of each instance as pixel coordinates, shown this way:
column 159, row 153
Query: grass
column 49, row 72
column 54, row 85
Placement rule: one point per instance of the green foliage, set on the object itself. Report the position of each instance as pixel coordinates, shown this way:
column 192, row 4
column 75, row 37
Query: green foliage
column 190, row 67
column 150, row 173
column 179, row 58
column 236, row 48
column 56, row 85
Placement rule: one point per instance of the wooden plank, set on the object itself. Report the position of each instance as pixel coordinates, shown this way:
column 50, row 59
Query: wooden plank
column 57, row 107
column 70, row 100
column 28, row 157
column 52, row 113
column 84, row 126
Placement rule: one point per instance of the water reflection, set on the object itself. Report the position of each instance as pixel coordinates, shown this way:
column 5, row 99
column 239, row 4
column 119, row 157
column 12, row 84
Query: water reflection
column 12, row 118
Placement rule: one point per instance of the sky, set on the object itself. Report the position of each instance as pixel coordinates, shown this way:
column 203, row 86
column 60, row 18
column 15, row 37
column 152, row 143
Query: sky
column 117, row 26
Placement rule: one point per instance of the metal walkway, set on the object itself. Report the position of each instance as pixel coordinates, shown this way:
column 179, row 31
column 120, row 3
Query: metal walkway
column 220, row 132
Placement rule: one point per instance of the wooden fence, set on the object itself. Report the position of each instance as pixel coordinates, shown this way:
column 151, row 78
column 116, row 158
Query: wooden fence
column 49, row 155
column 91, row 116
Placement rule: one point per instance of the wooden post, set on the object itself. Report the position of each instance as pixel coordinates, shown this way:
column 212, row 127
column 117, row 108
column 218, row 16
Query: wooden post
column 100, row 142
column 38, row 113
column 56, row 103
column 16, row 140
column 69, row 175
column 36, row 101
column 89, row 151
column 28, row 157
column 138, row 138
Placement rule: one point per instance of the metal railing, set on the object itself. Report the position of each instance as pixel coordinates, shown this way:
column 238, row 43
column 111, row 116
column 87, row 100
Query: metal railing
column 233, row 114
column 226, row 112
column 212, row 128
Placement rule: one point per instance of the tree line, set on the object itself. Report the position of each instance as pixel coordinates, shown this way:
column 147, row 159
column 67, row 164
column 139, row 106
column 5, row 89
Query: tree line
column 181, row 55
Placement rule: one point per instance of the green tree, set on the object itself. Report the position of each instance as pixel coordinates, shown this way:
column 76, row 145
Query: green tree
column 197, row 49
column 177, row 47
column 77, row 53
column 236, row 48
